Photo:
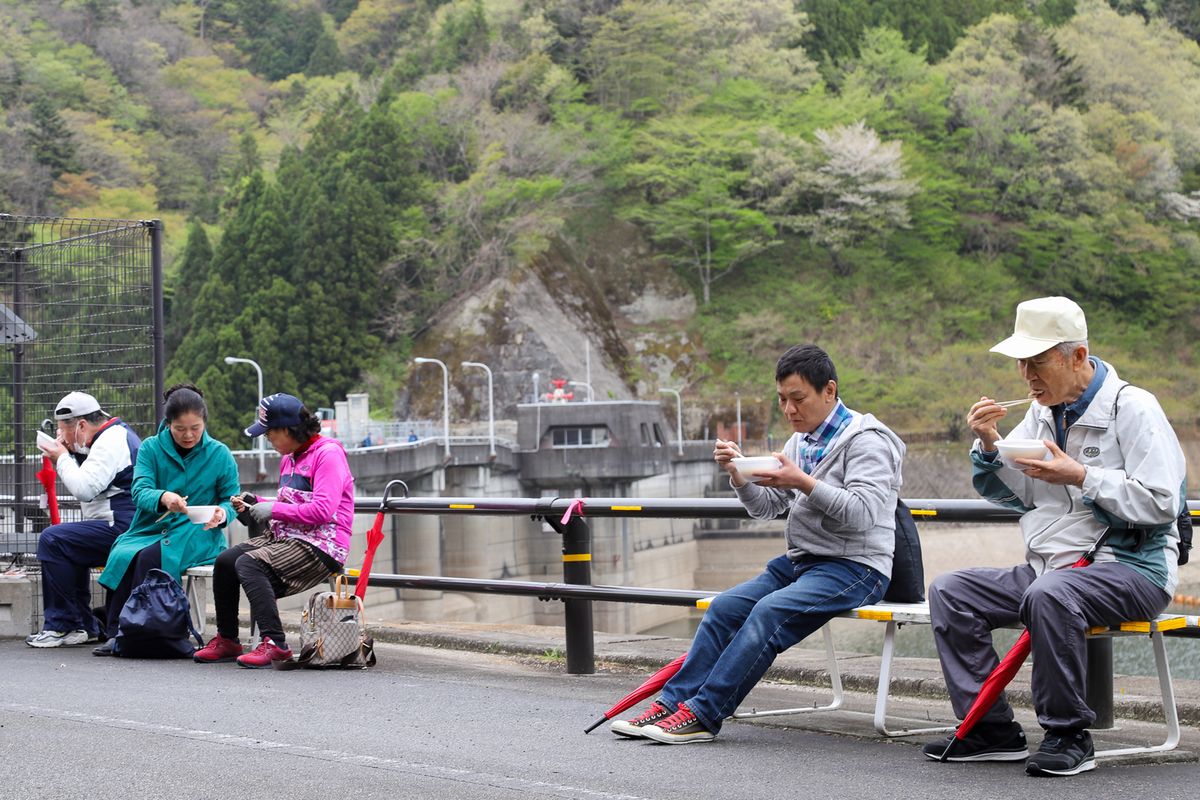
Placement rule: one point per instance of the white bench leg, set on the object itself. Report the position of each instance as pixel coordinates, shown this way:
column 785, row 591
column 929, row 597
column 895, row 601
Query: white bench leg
column 1170, row 712
column 885, row 688
column 197, row 596
column 835, row 678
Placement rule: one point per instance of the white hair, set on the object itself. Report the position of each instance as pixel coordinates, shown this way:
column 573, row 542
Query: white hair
column 1068, row 348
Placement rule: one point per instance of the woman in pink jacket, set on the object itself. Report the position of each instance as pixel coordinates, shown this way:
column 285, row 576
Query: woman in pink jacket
column 305, row 533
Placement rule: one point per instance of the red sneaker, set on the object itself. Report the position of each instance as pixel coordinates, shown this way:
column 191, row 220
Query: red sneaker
column 633, row 727
column 264, row 654
column 218, row 650
column 682, row 727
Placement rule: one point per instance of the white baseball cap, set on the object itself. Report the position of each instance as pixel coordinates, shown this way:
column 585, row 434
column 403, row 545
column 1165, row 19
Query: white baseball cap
column 76, row 404
column 1041, row 324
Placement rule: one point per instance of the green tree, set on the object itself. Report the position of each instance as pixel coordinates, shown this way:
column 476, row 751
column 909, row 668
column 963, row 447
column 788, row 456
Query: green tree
column 689, row 182
column 326, row 58
column 191, row 275
column 50, row 139
column 462, row 36
column 641, row 58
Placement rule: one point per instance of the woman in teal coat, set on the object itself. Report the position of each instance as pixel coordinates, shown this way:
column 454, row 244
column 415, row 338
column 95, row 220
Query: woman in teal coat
column 180, row 465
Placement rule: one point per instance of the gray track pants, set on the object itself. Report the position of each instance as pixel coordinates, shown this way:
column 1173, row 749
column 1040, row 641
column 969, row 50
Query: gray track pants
column 1058, row 607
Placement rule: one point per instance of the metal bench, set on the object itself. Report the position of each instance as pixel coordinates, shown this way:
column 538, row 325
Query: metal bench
column 896, row 615
column 196, row 587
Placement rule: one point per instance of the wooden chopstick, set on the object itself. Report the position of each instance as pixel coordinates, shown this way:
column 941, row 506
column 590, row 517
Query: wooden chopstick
column 1011, row 403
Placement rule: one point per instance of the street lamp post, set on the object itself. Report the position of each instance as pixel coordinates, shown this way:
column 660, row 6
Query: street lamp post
column 260, row 445
column 585, row 385
column 445, row 398
column 678, row 416
column 491, row 407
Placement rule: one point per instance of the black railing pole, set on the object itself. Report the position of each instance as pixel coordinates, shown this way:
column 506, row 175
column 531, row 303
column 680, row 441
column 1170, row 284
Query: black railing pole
column 18, row 395
column 577, row 568
column 1100, row 681
column 156, row 299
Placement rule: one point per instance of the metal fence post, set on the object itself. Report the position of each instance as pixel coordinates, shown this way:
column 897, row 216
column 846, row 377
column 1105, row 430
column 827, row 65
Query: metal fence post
column 1100, row 680
column 18, row 395
column 157, row 317
column 577, row 568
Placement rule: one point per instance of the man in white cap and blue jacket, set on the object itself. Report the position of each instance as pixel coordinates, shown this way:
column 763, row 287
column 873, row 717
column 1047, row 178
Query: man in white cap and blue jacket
column 94, row 455
column 1113, row 476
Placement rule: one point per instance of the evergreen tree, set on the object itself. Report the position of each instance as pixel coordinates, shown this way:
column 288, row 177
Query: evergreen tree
column 191, row 277
column 326, row 58
column 463, row 36
column 50, row 139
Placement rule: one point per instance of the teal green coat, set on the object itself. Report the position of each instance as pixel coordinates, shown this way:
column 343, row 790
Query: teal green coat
column 208, row 477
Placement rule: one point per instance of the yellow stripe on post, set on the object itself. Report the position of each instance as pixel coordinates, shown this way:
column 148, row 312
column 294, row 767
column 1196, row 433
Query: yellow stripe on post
column 923, row 512
column 626, row 508
column 465, row 506
column 353, row 573
column 882, row 616
column 1172, row 624
column 703, row 603
column 1097, row 630
column 577, row 556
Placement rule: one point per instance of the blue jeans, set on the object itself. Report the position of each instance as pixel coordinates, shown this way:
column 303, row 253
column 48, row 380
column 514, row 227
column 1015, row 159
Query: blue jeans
column 67, row 553
column 747, row 626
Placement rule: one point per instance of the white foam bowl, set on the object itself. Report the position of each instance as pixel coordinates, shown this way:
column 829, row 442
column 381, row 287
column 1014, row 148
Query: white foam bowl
column 45, row 440
column 748, row 464
column 1022, row 448
column 201, row 514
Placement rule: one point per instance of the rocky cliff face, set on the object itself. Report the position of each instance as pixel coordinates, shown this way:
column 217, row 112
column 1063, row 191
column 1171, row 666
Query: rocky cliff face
column 606, row 303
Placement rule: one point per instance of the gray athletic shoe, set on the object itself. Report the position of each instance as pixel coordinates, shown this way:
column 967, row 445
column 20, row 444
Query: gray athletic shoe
column 57, row 639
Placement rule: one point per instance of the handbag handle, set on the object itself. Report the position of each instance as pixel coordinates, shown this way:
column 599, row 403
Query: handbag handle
column 342, row 597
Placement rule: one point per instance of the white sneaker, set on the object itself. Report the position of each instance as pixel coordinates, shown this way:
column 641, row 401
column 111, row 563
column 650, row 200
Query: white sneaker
column 57, row 639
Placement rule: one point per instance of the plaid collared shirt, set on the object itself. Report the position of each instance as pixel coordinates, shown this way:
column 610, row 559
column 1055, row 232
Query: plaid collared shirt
column 815, row 444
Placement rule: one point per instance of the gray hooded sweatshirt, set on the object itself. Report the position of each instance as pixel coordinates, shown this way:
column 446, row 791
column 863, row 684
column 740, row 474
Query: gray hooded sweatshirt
column 851, row 512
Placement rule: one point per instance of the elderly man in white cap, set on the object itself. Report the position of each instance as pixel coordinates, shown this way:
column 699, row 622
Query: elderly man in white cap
column 94, row 455
column 1113, row 476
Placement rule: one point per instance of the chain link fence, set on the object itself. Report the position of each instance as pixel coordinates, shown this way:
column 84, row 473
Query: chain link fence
column 80, row 309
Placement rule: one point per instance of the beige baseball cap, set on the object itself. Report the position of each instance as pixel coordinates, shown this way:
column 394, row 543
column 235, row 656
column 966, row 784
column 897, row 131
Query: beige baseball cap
column 1041, row 324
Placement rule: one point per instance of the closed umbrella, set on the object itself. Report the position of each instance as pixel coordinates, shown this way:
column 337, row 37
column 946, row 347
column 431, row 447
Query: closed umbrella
column 1003, row 674
column 648, row 687
column 47, row 477
column 374, row 538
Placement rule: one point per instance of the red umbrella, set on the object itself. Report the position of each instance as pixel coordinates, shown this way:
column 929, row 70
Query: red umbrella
column 47, row 477
column 648, row 687
column 374, row 537
column 1003, row 674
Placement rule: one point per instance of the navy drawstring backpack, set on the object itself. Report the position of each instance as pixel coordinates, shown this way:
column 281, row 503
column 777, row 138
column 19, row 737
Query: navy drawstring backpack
column 155, row 621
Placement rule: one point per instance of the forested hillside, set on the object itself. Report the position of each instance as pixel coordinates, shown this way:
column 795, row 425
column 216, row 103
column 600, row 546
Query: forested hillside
column 347, row 183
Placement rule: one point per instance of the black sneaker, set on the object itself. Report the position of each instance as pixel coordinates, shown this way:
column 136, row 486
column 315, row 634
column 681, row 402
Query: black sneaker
column 995, row 742
column 633, row 727
column 1068, row 751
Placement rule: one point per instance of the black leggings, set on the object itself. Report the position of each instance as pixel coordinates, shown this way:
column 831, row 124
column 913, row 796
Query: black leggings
column 235, row 570
column 148, row 558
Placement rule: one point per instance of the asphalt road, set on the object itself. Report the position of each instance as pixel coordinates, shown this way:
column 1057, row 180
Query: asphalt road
column 430, row 723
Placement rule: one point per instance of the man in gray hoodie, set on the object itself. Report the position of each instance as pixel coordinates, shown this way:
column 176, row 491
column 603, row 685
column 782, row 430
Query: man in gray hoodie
column 838, row 481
